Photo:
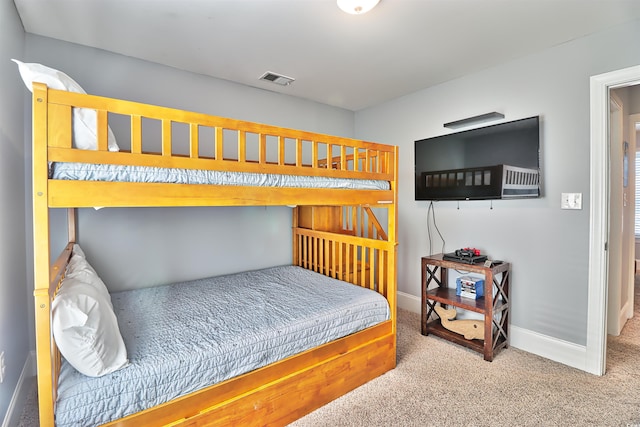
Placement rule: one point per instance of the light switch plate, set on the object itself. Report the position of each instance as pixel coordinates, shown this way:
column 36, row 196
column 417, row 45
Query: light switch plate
column 571, row 201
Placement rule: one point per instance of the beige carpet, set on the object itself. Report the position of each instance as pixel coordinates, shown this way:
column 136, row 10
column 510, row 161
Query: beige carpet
column 437, row 383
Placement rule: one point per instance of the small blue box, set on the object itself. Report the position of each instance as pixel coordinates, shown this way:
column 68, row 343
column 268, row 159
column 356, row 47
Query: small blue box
column 470, row 287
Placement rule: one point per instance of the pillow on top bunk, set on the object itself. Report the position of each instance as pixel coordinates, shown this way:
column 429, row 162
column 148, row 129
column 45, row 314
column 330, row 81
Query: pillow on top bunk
column 84, row 119
column 84, row 324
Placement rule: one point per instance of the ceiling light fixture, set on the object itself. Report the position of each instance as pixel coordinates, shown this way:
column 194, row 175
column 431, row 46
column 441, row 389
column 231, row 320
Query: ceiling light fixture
column 357, row 7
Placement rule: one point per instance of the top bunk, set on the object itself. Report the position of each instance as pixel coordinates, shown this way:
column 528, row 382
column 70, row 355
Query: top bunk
column 171, row 157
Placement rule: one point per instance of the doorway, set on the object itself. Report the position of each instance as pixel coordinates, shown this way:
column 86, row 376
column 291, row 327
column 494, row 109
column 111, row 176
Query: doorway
column 601, row 210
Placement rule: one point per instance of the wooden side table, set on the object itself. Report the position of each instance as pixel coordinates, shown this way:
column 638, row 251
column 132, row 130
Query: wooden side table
column 494, row 305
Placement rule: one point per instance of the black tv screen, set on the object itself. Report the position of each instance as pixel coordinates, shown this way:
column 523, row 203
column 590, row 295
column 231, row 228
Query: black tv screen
column 501, row 161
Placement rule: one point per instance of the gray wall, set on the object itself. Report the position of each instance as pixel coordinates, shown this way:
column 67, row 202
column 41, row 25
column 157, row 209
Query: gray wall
column 634, row 100
column 14, row 298
column 547, row 246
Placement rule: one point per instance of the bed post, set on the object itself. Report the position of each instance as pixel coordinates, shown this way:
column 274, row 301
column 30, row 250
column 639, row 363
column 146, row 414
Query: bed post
column 71, row 224
column 294, row 236
column 392, row 232
column 42, row 296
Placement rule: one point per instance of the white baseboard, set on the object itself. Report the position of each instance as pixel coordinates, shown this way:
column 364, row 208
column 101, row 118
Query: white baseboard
column 555, row 349
column 626, row 313
column 409, row 302
column 12, row 417
column 560, row 351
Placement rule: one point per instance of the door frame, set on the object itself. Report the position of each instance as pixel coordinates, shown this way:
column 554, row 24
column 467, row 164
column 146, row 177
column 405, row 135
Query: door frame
column 634, row 119
column 616, row 250
column 595, row 354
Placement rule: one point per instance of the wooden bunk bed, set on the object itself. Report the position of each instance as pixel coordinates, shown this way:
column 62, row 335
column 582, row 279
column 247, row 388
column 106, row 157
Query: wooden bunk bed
column 335, row 233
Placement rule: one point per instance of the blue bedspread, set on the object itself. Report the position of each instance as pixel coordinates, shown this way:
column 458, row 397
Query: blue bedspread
column 186, row 336
column 103, row 172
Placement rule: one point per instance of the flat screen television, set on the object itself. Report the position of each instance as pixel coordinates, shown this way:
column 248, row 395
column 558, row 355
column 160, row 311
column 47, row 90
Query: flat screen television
column 501, row 161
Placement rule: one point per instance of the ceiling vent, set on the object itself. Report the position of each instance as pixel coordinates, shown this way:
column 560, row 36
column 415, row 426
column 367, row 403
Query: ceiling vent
column 278, row 79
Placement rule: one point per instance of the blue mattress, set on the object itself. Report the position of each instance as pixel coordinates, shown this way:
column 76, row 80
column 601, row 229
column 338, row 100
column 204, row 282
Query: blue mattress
column 103, row 172
column 186, row 336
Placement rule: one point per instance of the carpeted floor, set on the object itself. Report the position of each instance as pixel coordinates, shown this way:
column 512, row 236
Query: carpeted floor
column 437, row 383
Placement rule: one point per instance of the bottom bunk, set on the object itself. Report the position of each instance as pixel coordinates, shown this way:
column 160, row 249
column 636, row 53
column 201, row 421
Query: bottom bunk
column 184, row 337
column 298, row 338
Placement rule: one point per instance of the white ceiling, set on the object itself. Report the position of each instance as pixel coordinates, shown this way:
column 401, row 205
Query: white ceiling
column 348, row 61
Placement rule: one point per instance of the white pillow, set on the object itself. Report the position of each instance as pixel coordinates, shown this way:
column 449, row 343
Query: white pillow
column 86, row 328
column 77, row 250
column 79, row 268
column 84, row 119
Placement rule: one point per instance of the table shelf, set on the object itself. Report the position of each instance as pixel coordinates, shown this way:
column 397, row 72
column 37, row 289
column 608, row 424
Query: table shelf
column 494, row 306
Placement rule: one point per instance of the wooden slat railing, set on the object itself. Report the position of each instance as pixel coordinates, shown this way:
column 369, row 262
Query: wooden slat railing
column 356, row 260
column 294, row 152
column 361, row 221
